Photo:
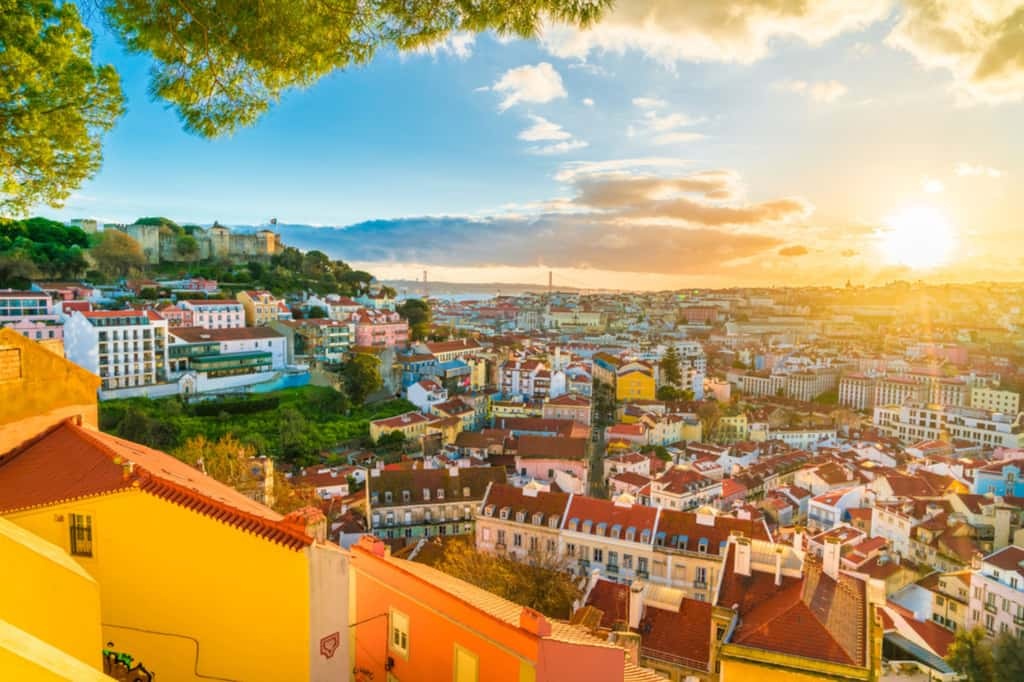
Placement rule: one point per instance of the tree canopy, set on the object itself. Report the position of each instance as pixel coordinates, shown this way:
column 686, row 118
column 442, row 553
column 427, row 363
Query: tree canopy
column 38, row 246
column 55, row 104
column 117, row 253
column 419, row 316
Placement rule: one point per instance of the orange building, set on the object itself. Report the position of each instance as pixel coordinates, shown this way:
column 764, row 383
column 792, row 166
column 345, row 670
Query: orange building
column 411, row 622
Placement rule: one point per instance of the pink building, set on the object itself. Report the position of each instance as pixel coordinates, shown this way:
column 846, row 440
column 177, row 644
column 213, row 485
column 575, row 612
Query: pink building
column 37, row 330
column 30, row 313
column 380, row 329
column 214, row 313
column 177, row 316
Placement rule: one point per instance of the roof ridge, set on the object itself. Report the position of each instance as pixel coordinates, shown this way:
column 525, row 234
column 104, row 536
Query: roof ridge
column 21, row 447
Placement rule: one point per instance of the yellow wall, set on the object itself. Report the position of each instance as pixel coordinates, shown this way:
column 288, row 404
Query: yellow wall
column 29, row 659
column 169, row 570
column 44, row 593
column 38, row 389
column 635, row 386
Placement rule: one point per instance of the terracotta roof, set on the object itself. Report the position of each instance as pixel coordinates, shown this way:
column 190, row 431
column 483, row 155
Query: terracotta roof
column 201, row 334
column 68, row 462
column 685, row 633
column 613, row 601
column 416, row 481
column 813, row 617
column 502, row 495
column 674, row 525
column 554, row 447
column 605, row 515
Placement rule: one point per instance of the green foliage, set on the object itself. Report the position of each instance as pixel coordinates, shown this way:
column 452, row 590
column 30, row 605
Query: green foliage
column 971, row 656
column 394, row 440
column 671, row 374
column 419, row 316
column 117, row 253
column 297, row 424
column 316, row 313
column 604, row 404
column 542, row 582
column 222, row 63
column 187, row 246
column 362, row 377
column 54, row 103
column 672, row 394
column 162, row 222
column 1008, row 658
column 40, row 247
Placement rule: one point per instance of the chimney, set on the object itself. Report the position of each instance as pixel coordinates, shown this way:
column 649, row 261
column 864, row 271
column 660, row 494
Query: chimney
column 453, row 471
column 831, row 559
column 798, row 538
column 636, row 603
column 742, row 548
column 778, row 567
column 534, row 623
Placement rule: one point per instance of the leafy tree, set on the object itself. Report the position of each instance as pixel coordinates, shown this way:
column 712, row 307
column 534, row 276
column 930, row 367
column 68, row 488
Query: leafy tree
column 542, row 582
column 1008, row 658
column 709, row 414
column 187, row 247
column 394, row 440
column 316, row 313
column 388, row 292
column 671, row 394
column 671, row 374
column 222, row 63
column 117, row 253
column 362, row 377
column 419, row 316
column 17, row 269
column 162, row 222
column 293, row 433
column 604, row 404
column 54, row 103
column 226, row 459
column 971, row 656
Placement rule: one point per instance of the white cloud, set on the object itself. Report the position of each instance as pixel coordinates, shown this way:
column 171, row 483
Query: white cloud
column 932, row 185
column 558, row 147
column 819, row 91
column 980, row 43
column 588, row 102
column 969, row 170
column 569, row 172
column 543, row 129
column 677, row 138
column 458, row 44
column 649, row 103
column 538, row 84
column 717, row 30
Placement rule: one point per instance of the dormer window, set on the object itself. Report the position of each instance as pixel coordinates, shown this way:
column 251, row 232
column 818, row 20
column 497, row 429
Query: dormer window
column 406, row 496
column 631, row 534
column 587, row 525
column 659, row 539
column 574, row 524
column 645, row 536
column 702, row 545
column 503, row 514
column 465, row 491
column 440, row 493
column 538, row 518
column 616, row 531
column 426, row 494
column 683, row 542
column 374, row 498
column 520, row 516
column 387, row 496
column 553, row 521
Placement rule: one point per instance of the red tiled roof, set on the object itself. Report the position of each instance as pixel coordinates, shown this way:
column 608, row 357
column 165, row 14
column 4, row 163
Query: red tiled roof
column 675, row 523
column 554, row 447
column 685, row 633
column 613, row 601
column 69, row 462
column 502, row 495
column 605, row 511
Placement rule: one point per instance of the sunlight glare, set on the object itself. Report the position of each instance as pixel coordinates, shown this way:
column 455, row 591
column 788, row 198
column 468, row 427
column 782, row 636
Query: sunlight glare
column 917, row 237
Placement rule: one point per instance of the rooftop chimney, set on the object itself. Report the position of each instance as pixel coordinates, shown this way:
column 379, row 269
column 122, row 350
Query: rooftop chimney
column 742, row 548
column 798, row 538
column 778, row 566
column 830, row 562
column 636, row 603
column 534, row 623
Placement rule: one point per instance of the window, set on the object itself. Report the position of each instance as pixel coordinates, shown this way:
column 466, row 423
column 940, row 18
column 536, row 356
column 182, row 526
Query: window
column 501, row 537
column 517, row 539
column 701, row 577
column 466, row 665
column 399, row 642
column 552, row 546
column 533, row 543
column 426, row 495
column 598, row 555
column 81, row 534
column 440, row 493
column 406, row 496
column 627, row 561
column 641, row 564
column 570, row 549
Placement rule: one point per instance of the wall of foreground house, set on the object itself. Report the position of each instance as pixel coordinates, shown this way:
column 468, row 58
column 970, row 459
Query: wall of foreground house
column 184, row 593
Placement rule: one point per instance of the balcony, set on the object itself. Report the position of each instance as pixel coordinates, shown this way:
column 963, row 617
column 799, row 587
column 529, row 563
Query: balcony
column 584, row 564
column 643, row 574
column 612, row 568
column 1018, row 620
column 700, row 584
column 991, row 608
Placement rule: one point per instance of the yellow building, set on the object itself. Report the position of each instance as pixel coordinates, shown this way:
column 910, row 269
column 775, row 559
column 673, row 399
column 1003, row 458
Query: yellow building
column 412, row 425
column 195, row 580
column 635, row 381
column 261, row 307
column 49, row 612
column 732, row 428
column 39, row 388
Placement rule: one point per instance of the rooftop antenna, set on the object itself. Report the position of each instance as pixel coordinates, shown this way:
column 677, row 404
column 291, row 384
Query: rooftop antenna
column 426, row 287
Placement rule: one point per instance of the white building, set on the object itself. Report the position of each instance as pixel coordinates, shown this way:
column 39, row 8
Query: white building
column 228, row 342
column 983, row 398
column 126, row 348
column 425, row 394
column 997, row 593
column 911, row 423
column 215, row 314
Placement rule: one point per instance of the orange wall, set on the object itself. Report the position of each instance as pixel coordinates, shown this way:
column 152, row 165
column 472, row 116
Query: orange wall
column 439, row 620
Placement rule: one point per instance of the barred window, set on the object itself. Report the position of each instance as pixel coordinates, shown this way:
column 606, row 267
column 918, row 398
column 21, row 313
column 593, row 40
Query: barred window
column 81, row 534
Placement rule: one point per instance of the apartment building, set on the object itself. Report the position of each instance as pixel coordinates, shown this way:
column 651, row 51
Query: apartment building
column 215, row 314
column 530, row 379
column 621, row 540
column 322, row 340
column 380, row 329
column 857, row 391
column 997, row 593
column 225, row 352
column 911, row 423
column 569, row 407
column 418, row 503
column 900, row 391
column 126, row 348
column 261, row 307
column 994, row 400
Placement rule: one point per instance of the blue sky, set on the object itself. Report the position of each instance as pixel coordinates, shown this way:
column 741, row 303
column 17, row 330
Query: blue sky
column 861, row 120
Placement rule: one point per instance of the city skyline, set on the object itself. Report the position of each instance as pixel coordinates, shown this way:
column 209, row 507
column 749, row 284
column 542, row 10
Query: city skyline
column 811, row 146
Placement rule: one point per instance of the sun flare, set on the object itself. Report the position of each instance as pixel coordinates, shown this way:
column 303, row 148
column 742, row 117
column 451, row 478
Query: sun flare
column 918, row 237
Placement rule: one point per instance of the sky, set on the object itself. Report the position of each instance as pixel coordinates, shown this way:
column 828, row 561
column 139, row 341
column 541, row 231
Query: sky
column 709, row 143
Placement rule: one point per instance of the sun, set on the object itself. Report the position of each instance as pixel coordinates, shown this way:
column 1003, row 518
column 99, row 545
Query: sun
column 918, row 237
